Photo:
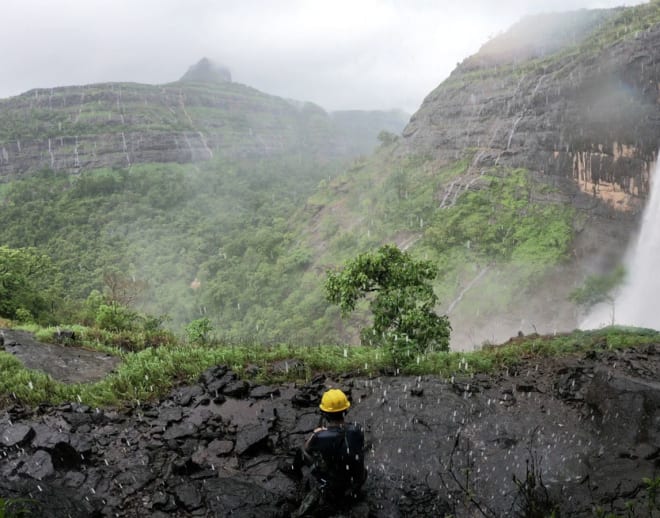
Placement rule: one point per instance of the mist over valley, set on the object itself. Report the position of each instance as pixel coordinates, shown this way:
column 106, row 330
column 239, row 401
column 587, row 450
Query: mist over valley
column 186, row 267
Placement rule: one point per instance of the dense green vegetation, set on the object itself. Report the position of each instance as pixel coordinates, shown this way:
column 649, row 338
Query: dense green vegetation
column 402, row 302
column 503, row 221
column 15, row 507
column 28, row 283
column 229, row 241
column 506, row 222
column 225, row 223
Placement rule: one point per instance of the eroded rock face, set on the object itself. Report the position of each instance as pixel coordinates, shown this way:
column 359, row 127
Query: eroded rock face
column 571, row 96
column 80, row 128
column 587, row 428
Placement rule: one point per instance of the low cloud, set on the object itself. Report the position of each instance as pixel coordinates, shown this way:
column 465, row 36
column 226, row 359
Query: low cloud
column 372, row 54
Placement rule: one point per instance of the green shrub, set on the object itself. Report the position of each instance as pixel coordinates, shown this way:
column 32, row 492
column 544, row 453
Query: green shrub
column 197, row 331
column 16, row 507
column 24, row 316
column 115, row 317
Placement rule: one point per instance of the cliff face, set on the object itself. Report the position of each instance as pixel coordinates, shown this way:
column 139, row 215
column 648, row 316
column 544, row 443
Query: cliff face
column 571, row 96
column 574, row 99
column 115, row 125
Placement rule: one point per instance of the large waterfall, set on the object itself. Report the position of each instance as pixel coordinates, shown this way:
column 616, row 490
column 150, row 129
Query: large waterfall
column 636, row 302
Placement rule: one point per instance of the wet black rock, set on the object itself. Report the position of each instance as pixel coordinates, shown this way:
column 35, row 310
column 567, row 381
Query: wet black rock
column 251, row 437
column 180, row 431
column 237, row 388
column 262, row 391
column 213, row 455
column 187, row 495
column 588, row 426
column 184, row 396
column 38, row 466
column 16, row 435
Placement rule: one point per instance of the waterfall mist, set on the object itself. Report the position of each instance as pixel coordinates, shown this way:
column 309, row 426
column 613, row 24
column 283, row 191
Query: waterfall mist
column 635, row 301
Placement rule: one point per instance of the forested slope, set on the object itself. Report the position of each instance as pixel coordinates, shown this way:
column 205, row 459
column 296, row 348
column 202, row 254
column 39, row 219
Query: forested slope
column 514, row 176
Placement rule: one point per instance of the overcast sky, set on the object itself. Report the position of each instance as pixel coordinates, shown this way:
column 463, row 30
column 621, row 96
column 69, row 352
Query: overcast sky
column 341, row 54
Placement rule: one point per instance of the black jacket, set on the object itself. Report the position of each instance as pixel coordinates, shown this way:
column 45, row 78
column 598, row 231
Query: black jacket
column 338, row 453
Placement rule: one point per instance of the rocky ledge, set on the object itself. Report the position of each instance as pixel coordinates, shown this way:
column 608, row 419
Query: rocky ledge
column 578, row 432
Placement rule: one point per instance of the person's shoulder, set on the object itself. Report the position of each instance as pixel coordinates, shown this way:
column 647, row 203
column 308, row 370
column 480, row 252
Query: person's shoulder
column 356, row 427
column 326, row 433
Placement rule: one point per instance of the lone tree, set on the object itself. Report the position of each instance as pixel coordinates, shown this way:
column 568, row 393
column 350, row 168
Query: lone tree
column 402, row 302
column 599, row 289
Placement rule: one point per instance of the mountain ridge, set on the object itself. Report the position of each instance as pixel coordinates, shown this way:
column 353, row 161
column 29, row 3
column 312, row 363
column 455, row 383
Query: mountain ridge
column 78, row 128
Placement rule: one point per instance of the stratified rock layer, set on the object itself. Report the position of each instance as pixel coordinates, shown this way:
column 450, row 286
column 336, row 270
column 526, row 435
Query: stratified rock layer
column 78, row 128
column 572, row 96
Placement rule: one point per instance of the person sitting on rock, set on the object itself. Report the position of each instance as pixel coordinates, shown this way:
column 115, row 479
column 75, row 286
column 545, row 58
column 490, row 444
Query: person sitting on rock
column 336, row 453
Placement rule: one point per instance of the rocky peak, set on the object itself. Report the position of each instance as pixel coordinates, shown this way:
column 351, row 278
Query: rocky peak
column 206, row 71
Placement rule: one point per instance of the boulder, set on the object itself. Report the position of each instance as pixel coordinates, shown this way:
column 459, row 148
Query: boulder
column 38, row 466
column 250, row 437
column 16, row 434
column 180, row 431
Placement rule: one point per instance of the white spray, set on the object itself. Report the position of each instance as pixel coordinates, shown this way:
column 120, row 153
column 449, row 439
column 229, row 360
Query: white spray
column 637, row 301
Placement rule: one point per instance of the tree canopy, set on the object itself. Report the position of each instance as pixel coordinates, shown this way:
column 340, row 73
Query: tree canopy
column 599, row 288
column 402, row 303
column 27, row 283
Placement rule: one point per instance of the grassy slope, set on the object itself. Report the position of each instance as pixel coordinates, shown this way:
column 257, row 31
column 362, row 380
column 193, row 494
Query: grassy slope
column 133, row 107
column 151, row 373
column 586, row 35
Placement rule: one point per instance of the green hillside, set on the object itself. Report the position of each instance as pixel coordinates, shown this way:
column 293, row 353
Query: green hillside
column 246, row 243
column 225, row 223
column 227, row 240
column 187, row 195
column 240, row 226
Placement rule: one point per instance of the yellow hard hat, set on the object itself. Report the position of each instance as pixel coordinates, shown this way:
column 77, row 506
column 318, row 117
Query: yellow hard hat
column 334, row 400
